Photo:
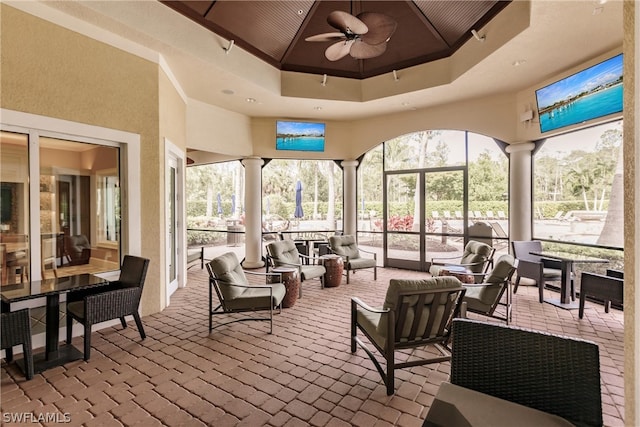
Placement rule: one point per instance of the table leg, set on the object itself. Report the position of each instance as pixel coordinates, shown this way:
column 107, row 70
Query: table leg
column 565, row 295
column 565, row 289
column 54, row 354
column 53, row 326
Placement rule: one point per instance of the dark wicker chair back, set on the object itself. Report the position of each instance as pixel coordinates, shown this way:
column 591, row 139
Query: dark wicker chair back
column 115, row 301
column 555, row 374
column 16, row 330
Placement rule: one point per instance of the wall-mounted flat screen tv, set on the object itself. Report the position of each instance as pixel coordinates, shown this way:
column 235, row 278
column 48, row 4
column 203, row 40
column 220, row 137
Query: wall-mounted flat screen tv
column 299, row 136
column 591, row 93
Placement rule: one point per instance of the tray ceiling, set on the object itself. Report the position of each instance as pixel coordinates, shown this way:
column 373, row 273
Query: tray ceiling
column 275, row 31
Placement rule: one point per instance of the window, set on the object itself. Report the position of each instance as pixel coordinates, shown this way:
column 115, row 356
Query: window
column 578, row 191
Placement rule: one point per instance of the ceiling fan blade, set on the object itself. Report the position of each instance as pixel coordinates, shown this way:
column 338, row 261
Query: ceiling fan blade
column 381, row 27
column 326, row 37
column 338, row 50
column 346, row 23
column 362, row 50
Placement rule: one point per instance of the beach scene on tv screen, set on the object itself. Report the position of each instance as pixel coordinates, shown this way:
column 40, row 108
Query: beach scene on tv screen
column 300, row 136
column 591, row 93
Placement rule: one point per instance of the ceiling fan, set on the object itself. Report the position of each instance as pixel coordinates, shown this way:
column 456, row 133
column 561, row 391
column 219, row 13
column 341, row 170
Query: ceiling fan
column 363, row 36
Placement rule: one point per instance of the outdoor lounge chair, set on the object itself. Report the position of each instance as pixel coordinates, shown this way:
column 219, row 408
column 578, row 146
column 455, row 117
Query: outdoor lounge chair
column 284, row 253
column 551, row 373
column 415, row 314
column 114, row 301
column 541, row 270
column 483, row 298
column 237, row 295
column 477, row 257
column 347, row 248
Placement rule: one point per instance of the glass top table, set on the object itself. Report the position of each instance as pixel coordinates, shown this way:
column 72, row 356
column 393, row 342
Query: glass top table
column 51, row 289
column 566, row 263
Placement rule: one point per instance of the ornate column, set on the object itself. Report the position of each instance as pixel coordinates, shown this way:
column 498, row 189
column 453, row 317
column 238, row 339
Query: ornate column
column 253, row 212
column 521, row 188
column 350, row 207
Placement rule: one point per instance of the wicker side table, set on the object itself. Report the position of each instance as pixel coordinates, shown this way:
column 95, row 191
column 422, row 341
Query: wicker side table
column 334, row 266
column 291, row 281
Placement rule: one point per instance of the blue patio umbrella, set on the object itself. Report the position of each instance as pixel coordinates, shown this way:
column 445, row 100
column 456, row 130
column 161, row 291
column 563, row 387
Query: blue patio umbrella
column 219, row 204
column 298, row 212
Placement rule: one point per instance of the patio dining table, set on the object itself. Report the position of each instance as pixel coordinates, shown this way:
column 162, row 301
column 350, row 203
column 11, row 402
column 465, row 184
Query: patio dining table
column 566, row 261
column 54, row 354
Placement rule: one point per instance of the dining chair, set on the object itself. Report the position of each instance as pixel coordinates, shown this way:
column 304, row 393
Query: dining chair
column 552, row 373
column 607, row 288
column 15, row 328
column 534, row 267
column 114, row 301
column 415, row 314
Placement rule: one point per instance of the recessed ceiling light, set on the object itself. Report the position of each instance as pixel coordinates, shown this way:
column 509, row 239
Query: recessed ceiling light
column 317, row 108
column 228, row 91
column 300, row 11
column 518, row 62
column 405, row 104
column 250, row 100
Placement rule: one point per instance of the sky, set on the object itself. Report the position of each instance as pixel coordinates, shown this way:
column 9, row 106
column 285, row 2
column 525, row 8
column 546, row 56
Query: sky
column 299, row 128
column 584, row 80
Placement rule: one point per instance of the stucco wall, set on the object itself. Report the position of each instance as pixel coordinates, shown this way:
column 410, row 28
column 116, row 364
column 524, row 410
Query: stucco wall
column 51, row 71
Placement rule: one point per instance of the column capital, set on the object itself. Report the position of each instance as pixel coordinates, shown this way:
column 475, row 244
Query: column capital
column 347, row 163
column 252, row 160
column 520, row 146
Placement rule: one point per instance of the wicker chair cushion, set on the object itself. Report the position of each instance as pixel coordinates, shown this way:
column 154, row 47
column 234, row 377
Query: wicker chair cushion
column 345, row 246
column 391, row 302
column 227, row 269
column 284, row 252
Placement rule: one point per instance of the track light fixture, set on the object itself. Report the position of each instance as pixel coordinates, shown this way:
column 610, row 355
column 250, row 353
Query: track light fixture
column 477, row 36
column 228, row 48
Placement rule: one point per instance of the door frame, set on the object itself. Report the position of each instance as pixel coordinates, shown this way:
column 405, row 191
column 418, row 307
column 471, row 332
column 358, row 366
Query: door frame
column 422, row 264
column 175, row 157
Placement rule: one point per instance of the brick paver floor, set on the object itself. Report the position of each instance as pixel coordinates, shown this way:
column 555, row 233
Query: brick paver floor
column 303, row 374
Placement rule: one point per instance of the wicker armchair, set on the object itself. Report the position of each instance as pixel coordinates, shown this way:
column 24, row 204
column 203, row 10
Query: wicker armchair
column 605, row 288
column 16, row 330
column 551, row 373
column 237, row 295
column 347, row 248
column 115, row 301
column 416, row 313
column 541, row 270
column 284, row 253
